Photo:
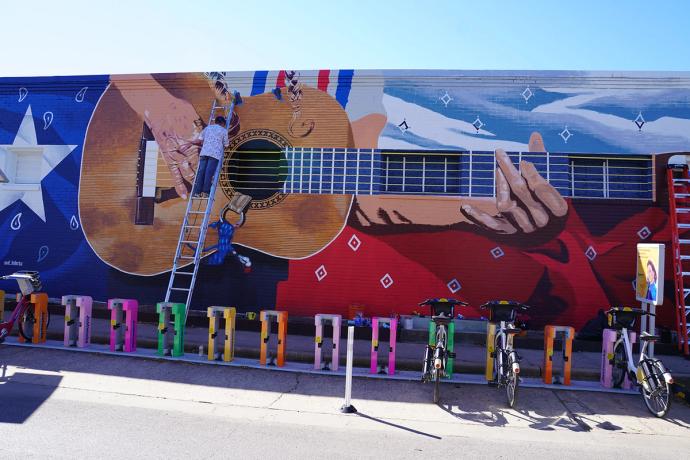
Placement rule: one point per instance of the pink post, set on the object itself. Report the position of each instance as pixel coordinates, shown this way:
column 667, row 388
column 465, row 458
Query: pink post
column 77, row 331
column 123, row 324
column 319, row 321
column 608, row 341
column 375, row 322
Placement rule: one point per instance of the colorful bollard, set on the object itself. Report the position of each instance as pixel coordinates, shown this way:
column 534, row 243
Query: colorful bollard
column 319, row 321
column 78, row 310
column 550, row 333
column 281, row 318
column 607, row 343
column 215, row 314
column 40, row 327
column 171, row 339
column 123, row 324
column 376, row 322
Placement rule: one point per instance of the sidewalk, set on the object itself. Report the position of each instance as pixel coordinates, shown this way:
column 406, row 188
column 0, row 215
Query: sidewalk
column 470, row 357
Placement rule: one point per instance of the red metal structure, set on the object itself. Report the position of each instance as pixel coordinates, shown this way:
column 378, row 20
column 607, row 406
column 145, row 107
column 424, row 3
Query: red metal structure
column 679, row 209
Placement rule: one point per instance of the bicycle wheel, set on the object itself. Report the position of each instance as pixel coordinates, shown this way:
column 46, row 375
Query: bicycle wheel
column 437, row 386
column 498, row 368
column 511, row 385
column 27, row 321
column 658, row 397
column 620, row 365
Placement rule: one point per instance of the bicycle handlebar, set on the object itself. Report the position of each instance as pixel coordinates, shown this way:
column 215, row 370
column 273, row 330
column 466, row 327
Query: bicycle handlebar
column 637, row 311
column 505, row 303
column 429, row 302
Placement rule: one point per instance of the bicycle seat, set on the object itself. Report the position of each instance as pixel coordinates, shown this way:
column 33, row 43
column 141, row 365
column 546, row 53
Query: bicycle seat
column 442, row 307
column 32, row 277
column 647, row 337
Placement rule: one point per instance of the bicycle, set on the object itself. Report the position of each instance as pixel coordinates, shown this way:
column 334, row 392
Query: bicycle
column 649, row 373
column 23, row 313
column 506, row 361
column 436, row 356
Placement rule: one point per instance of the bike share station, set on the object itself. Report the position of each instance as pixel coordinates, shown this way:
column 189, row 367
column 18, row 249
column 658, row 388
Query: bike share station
column 221, row 343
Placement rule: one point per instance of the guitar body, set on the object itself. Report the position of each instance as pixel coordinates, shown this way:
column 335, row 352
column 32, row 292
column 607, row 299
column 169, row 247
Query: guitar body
column 283, row 225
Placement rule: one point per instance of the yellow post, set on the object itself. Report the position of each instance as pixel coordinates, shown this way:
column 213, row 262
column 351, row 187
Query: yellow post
column 490, row 345
column 229, row 314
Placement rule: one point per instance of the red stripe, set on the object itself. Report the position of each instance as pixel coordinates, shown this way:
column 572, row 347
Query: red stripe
column 324, row 79
column 280, row 81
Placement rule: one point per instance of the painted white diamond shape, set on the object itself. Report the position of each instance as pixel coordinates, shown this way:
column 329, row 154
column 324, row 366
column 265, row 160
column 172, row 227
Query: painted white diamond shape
column 591, row 253
column 565, row 134
column 527, row 94
column 321, row 273
column 354, row 242
column 644, row 233
column 453, row 286
column 386, row 281
column 497, row 252
column 446, row 99
column 639, row 121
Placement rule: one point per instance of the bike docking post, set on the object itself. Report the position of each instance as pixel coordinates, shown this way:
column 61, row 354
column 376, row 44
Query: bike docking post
column 40, row 303
column 450, row 344
column 78, row 309
column 166, row 311
column 490, row 345
column 123, row 324
column 215, row 314
column 281, row 318
column 348, row 408
column 550, row 333
column 393, row 325
column 319, row 321
column 607, row 343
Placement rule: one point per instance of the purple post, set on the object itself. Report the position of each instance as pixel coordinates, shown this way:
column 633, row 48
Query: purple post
column 123, row 324
column 375, row 322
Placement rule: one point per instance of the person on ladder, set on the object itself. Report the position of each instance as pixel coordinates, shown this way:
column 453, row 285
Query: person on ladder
column 213, row 139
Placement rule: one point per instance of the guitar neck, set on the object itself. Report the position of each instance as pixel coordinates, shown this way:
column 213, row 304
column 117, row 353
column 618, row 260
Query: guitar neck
column 457, row 173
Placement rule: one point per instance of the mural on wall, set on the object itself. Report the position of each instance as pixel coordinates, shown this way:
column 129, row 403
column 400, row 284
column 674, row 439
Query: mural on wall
column 375, row 188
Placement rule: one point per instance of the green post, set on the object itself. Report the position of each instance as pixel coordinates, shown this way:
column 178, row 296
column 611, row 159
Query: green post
column 432, row 333
column 451, row 346
column 165, row 311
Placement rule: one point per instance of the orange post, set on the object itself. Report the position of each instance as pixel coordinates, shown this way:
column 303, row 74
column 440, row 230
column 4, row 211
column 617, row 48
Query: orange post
column 40, row 303
column 281, row 317
column 550, row 333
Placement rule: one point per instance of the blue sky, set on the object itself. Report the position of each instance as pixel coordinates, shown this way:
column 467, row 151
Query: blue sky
column 89, row 37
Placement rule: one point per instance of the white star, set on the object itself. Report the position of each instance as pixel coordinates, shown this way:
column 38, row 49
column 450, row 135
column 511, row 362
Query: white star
column 26, row 145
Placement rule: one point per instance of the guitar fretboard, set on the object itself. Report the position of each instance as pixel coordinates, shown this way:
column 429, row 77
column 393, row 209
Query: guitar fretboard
column 468, row 173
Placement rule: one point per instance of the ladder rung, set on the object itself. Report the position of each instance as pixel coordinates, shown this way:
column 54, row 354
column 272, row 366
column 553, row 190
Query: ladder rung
column 683, row 225
column 179, row 289
column 197, row 212
column 681, row 180
column 186, row 257
column 685, row 273
column 682, row 195
column 183, row 273
column 686, row 292
column 189, row 241
column 681, row 241
column 682, row 210
column 683, row 257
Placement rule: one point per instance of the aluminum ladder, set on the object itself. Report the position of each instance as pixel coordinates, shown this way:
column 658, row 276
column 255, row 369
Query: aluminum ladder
column 190, row 244
column 679, row 208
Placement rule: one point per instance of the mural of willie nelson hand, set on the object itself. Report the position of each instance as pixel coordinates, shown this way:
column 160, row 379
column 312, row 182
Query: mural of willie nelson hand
column 174, row 123
column 525, row 203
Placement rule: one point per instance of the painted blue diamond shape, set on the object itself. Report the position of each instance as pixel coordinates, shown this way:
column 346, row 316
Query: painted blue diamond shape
column 640, row 121
column 477, row 124
column 497, row 252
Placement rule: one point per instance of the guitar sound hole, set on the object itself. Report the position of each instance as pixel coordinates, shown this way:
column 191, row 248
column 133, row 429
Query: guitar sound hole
column 256, row 168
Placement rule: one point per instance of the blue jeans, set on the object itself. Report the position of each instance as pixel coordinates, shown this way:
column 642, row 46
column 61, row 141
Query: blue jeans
column 205, row 173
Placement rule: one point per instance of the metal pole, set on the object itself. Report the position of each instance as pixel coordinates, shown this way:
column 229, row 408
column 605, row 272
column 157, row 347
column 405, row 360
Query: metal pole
column 347, row 407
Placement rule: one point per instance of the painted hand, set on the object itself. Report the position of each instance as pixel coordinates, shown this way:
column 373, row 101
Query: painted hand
column 175, row 130
column 525, row 200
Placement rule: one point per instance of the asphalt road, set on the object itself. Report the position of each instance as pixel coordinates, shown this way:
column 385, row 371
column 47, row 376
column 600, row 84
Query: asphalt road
column 57, row 404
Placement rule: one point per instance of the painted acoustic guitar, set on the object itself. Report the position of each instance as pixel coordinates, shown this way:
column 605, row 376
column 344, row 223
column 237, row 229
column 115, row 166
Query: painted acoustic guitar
column 289, row 225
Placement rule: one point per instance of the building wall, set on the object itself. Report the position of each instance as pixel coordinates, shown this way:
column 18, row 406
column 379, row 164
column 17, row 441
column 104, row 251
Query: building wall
column 325, row 251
